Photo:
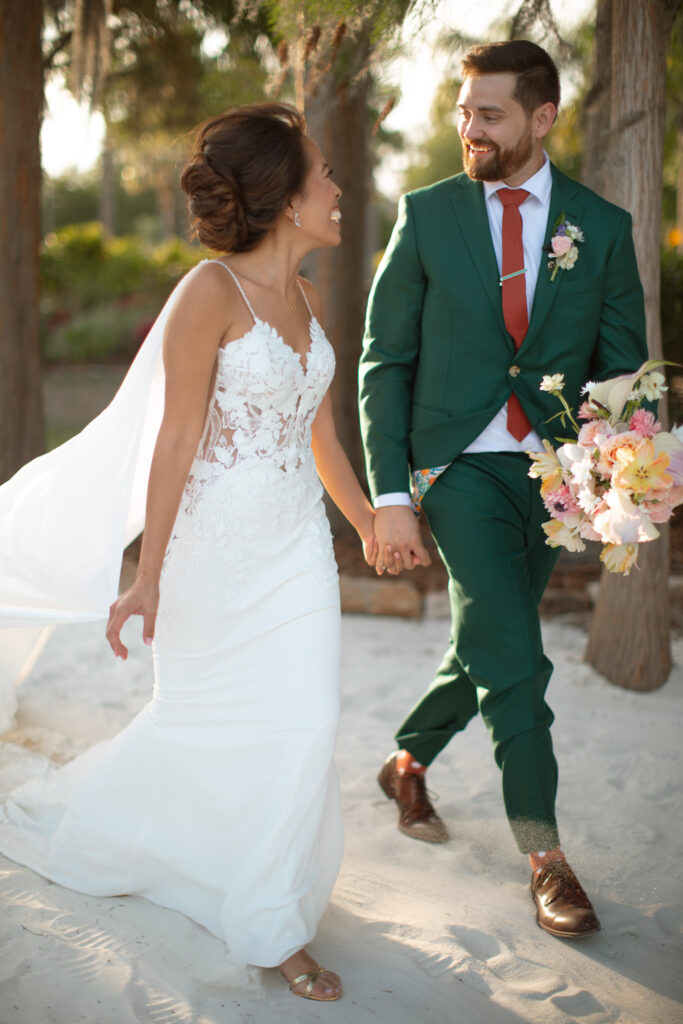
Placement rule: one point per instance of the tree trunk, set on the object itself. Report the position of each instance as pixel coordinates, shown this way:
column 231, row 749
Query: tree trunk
column 629, row 639
column 338, row 123
column 21, row 101
column 107, row 202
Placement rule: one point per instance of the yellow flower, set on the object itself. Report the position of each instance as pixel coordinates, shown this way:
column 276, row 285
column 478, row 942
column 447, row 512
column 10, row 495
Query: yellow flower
column 564, row 534
column 619, row 557
column 547, row 467
column 640, row 470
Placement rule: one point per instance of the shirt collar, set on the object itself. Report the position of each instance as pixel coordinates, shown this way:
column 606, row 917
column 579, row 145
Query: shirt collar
column 538, row 185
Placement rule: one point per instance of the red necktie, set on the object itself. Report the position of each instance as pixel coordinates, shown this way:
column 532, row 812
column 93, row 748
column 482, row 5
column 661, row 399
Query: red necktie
column 515, row 311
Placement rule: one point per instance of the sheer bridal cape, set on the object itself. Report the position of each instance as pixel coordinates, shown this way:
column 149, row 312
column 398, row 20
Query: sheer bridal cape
column 66, row 517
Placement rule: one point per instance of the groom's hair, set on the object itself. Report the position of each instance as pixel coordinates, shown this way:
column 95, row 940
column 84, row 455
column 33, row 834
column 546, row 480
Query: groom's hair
column 537, row 79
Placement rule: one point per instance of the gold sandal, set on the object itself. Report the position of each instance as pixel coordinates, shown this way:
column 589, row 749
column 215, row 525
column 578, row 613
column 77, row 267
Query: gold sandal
column 311, row 977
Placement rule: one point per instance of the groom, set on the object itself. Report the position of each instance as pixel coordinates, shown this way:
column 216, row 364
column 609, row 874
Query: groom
column 465, row 317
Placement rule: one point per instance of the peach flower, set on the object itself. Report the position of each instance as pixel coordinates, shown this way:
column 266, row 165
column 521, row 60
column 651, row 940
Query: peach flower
column 561, row 244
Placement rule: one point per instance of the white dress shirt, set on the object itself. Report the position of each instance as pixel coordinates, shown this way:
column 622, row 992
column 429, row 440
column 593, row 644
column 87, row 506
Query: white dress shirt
column 534, row 210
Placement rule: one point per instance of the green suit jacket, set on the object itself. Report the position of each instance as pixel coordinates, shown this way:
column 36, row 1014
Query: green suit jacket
column 436, row 361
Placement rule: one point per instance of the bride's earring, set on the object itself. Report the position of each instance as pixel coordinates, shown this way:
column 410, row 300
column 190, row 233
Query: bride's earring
column 297, row 220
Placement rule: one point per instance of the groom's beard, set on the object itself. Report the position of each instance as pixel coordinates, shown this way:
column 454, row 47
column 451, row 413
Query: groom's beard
column 500, row 164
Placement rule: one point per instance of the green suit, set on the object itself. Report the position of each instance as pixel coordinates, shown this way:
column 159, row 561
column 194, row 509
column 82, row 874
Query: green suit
column 437, row 365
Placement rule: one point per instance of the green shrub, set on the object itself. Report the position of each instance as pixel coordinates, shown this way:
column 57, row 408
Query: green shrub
column 110, row 333
column 82, row 268
column 672, row 327
column 100, row 293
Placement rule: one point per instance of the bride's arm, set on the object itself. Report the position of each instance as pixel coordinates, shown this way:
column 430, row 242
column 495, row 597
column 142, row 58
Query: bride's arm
column 332, row 463
column 195, row 328
column 340, row 481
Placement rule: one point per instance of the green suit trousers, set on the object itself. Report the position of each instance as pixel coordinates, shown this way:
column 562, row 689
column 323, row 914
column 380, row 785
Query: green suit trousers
column 485, row 514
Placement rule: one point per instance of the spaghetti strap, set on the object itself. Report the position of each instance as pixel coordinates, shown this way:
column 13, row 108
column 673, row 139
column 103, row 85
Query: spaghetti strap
column 233, row 275
column 308, row 305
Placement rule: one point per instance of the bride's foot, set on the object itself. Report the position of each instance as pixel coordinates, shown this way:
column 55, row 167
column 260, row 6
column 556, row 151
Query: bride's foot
column 307, row 979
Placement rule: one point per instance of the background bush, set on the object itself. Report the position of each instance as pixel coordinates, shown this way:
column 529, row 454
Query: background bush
column 99, row 295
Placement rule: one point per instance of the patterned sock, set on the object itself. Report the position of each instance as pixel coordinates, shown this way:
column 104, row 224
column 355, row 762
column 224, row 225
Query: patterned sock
column 407, row 765
column 540, row 858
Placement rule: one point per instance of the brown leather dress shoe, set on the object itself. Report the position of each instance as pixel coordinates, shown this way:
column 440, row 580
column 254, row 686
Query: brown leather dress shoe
column 562, row 907
column 416, row 817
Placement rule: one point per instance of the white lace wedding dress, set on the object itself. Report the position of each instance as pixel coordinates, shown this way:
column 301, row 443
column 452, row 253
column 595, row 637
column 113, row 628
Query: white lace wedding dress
column 220, row 799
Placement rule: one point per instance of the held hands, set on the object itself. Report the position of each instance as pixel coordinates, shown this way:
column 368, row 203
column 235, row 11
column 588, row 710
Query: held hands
column 140, row 599
column 399, row 540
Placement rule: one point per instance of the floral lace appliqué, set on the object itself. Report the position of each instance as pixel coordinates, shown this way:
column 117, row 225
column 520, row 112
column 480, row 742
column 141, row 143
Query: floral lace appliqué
column 254, row 468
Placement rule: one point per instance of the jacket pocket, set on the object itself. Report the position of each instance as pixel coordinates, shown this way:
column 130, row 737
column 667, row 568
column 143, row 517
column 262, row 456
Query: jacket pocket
column 582, row 284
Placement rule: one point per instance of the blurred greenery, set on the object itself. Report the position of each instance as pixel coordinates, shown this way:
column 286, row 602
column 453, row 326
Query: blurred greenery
column 672, row 322
column 100, row 294
column 74, row 197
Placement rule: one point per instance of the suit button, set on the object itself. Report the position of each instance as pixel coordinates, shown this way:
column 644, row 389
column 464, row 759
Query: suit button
column 514, row 371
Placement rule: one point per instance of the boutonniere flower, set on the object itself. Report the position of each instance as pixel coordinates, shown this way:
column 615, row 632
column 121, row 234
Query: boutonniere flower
column 563, row 251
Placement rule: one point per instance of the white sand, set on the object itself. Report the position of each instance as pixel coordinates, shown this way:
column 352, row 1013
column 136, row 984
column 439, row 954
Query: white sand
column 420, row 933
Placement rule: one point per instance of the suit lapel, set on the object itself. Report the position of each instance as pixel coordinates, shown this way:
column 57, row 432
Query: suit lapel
column 563, row 199
column 470, row 210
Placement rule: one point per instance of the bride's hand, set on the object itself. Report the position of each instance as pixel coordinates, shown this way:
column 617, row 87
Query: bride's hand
column 369, row 541
column 140, row 599
column 370, row 549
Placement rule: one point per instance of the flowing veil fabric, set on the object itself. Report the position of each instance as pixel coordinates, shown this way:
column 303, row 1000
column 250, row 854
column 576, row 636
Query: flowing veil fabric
column 66, row 517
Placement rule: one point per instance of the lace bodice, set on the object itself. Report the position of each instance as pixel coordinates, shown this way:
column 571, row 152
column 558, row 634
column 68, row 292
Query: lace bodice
column 253, row 480
column 264, row 400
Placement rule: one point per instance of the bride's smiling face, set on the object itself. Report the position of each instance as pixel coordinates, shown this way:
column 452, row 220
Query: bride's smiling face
column 319, row 216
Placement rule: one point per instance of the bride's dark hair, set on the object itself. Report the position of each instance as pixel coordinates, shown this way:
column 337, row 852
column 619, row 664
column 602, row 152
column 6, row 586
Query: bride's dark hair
column 247, row 165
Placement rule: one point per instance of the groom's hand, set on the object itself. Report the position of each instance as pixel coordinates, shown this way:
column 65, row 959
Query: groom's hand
column 399, row 540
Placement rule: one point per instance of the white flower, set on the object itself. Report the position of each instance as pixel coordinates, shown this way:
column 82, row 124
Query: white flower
column 578, row 461
column 573, row 232
column 586, row 497
column 588, row 387
column 623, row 522
column 552, row 383
column 652, row 386
column 567, row 261
column 613, row 394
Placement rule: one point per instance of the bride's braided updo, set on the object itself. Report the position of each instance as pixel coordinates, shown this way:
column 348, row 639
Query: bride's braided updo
column 247, row 165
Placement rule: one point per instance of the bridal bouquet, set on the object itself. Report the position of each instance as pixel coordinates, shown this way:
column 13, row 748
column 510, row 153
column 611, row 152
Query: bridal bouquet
column 623, row 473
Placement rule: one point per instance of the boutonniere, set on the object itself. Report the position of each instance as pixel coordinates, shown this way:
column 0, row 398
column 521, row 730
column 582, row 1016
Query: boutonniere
column 563, row 251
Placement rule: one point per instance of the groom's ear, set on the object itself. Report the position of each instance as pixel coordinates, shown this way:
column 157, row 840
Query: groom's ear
column 543, row 119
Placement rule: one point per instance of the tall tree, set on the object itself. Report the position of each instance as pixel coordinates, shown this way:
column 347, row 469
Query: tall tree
column 629, row 640
column 21, row 102
column 332, row 48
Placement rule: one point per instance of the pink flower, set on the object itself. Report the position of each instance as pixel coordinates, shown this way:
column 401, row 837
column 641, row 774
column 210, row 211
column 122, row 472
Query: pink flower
column 587, row 411
column 644, row 423
column 561, row 244
column 561, row 503
column 595, row 433
column 659, row 511
column 610, row 448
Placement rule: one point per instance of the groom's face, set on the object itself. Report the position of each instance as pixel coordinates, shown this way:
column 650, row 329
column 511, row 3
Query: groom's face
column 498, row 140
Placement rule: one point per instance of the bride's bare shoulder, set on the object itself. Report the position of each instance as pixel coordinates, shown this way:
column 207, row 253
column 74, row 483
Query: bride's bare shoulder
column 311, row 293
column 208, row 281
column 204, row 306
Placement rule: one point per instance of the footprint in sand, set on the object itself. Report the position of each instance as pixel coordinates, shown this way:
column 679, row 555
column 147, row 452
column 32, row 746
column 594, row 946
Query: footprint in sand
column 580, row 1004
column 669, row 919
column 478, row 944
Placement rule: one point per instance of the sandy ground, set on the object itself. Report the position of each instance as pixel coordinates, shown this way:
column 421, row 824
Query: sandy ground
column 441, row 934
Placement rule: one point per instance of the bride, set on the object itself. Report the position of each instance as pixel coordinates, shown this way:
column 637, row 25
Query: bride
column 220, row 798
